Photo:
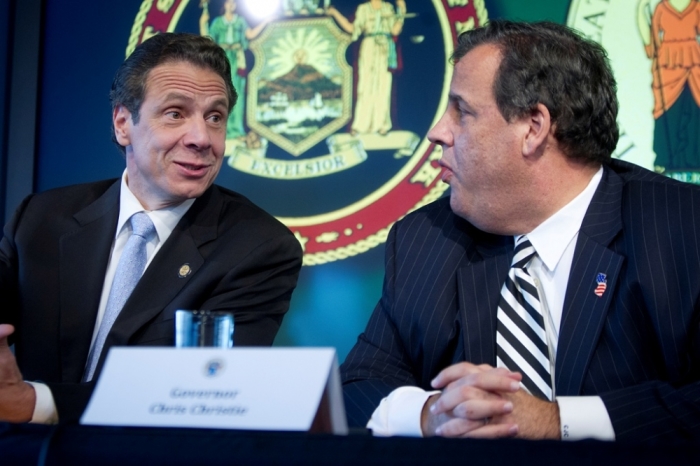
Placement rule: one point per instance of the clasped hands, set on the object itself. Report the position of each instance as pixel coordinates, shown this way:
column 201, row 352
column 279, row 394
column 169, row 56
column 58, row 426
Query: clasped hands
column 486, row 402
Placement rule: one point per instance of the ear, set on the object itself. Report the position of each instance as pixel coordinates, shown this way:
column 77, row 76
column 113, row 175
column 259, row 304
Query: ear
column 539, row 124
column 121, row 118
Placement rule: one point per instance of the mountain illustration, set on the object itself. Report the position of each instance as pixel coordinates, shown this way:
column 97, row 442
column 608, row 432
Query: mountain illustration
column 301, row 83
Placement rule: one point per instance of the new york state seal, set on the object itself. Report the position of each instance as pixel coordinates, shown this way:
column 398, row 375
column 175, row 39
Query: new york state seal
column 329, row 133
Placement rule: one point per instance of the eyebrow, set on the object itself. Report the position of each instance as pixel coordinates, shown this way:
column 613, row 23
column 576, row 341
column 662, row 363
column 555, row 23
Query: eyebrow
column 178, row 97
column 459, row 100
column 221, row 102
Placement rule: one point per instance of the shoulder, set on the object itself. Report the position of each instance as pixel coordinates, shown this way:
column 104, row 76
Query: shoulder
column 433, row 223
column 657, row 210
column 642, row 185
column 362, row 8
column 434, row 213
column 56, row 210
column 70, row 199
column 240, row 225
column 236, row 209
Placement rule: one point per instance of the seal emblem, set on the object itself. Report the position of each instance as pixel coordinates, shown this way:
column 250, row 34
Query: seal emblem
column 214, row 367
column 330, row 135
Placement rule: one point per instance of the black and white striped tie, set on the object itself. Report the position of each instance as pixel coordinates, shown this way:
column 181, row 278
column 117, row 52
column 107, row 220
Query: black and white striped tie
column 521, row 340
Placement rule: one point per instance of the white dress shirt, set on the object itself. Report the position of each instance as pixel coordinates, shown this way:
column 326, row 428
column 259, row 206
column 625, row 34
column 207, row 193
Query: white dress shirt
column 555, row 241
column 164, row 221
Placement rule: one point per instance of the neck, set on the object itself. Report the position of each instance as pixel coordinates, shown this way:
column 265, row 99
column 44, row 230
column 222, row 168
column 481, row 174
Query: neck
column 553, row 185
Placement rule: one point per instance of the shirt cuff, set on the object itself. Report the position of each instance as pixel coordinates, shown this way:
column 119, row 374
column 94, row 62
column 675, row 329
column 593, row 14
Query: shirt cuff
column 584, row 417
column 45, row 408
column 400, row 413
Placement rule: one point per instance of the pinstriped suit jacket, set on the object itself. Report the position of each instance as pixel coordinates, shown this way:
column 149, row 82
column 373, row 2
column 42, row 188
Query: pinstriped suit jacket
column 637, row 346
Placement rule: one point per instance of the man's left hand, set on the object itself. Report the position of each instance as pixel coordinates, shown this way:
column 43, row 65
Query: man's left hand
column 17, row 397
column 533, row 418
column 536, row 419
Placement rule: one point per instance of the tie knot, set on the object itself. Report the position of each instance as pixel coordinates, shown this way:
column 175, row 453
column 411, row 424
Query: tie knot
column 142, row 225
column 524, row 252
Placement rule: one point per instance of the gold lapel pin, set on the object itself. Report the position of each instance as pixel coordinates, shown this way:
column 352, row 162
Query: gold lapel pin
column 184, row 271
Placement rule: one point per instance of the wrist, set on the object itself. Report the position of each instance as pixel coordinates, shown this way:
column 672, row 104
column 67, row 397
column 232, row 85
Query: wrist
column 26, row 405
column 20, row 408
column 554, row 425
column 428, row 421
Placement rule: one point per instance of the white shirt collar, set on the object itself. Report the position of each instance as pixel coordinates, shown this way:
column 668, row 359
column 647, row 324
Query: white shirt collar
column 551, row 238
column 164, row 219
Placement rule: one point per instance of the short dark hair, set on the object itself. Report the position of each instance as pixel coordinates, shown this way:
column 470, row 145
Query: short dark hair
column 553, row 65
column 129, row 85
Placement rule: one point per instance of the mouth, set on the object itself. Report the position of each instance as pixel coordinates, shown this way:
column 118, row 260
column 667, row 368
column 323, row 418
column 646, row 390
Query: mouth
column 446, row 174
column 193, row 169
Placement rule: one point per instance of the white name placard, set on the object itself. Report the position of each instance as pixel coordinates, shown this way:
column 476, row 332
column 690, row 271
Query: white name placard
column 291, row 389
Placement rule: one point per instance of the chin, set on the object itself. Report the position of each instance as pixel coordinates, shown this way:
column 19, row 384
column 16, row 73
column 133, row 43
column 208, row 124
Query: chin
column 458, row 207
column 482, row 221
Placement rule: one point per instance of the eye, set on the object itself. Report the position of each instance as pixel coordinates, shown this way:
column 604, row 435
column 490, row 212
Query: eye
column 215, row 118
column 174, row 114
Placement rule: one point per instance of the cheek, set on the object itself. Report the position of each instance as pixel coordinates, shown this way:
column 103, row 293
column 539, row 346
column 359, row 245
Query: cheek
column 218, row 143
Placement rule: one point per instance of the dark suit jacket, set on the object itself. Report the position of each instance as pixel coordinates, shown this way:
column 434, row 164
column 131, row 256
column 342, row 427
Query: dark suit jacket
column 637, row 346
column 53, row 259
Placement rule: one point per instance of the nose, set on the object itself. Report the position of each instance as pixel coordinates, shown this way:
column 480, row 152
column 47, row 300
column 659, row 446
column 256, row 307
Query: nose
column 440, row 133
column 197, row 136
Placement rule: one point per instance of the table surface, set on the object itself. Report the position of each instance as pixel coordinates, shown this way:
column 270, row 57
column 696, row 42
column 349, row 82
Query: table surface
column 73, row 444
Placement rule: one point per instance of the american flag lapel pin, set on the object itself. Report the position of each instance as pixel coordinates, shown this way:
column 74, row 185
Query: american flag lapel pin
column 602, row 281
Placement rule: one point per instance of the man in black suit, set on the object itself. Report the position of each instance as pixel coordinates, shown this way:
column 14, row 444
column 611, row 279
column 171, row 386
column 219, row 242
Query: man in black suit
column 611, row 295
column 208, row 247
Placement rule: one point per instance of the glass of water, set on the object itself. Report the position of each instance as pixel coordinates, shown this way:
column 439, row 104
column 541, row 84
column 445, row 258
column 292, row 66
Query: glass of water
column 203, row 328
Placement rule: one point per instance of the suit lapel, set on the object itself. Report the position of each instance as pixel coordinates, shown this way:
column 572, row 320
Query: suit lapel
column 479, row 285
column 584, row 312
column 84, row 254
column 162, row 280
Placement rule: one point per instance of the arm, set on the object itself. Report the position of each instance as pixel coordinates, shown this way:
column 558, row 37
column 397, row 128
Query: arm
column 204, row 22
column 401, row 12
column 378, row 363
column 258, row 289
column 17, row 398
column 655, row 411
column 644, row 21
column 252, row 33
column 342, row 20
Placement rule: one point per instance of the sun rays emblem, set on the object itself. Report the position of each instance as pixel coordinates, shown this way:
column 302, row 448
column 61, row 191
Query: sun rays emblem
column 299, row 46
column 300, row 90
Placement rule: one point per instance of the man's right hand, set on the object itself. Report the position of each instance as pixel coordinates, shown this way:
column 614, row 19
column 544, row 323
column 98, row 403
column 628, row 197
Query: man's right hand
column 17, row 398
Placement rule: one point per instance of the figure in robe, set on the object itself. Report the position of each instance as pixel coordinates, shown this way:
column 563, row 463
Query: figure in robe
column 232, row 32
column 671, row 36
column 378, row 24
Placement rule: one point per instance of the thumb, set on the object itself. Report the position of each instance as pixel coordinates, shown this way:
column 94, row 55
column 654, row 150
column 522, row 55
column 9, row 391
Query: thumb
column 5, row 331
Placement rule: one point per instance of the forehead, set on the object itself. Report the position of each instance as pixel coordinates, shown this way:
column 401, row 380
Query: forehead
column 475, row 72
column 184, row 78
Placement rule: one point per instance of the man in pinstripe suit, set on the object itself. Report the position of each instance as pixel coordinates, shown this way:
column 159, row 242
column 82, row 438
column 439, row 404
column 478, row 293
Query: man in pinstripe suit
column 527, row 139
